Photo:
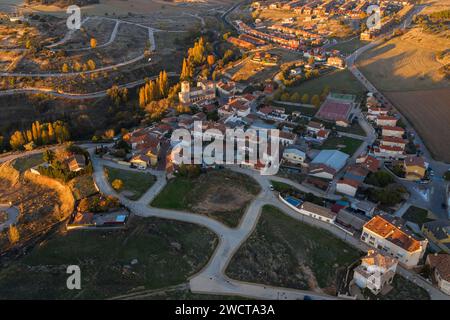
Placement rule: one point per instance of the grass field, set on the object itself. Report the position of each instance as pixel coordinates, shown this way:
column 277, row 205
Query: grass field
column 416, row 215
column 341, row 81
column 222, row 195
column 348, row 47
column 288, row 253
column 25, row 163
column 105, row 259
column 344, row 144
column 134, row 183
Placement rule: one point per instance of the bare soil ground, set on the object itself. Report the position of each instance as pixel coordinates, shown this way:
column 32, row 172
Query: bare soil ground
column 100, row 29
column 429, row 111
column 407, row 62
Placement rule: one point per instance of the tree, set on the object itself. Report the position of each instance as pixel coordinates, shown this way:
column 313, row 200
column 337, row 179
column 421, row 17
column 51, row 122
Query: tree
column 91, row 64
column 65, row 68
column 295, row 97
column 315, row 100
column 305, row 98
column 379, row 179
column 13, row 234
column 17, row 140
column 117, row 184
column 211, row 60
column 285, row 97
column 93, row 43
column 48, row 156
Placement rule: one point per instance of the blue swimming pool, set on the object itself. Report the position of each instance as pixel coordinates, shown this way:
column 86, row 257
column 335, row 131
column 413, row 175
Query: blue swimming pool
column 294, row 201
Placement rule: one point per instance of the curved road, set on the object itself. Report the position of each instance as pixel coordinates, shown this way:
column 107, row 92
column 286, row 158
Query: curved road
column 212, row 278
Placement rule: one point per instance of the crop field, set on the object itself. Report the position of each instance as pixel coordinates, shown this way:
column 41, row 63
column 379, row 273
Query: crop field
column 408, row 62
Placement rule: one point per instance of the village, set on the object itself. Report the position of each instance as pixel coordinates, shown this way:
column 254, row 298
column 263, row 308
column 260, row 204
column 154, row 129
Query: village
column 352, row 171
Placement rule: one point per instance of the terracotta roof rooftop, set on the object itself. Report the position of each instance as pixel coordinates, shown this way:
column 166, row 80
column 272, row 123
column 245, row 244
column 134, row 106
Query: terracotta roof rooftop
column 377, row 259
column 383, row 227
column 399, row 129
column 442, row 264
column 414, row 161
column 349, row 182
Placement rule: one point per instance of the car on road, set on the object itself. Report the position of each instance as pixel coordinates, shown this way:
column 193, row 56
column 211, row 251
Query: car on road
column 271, row 188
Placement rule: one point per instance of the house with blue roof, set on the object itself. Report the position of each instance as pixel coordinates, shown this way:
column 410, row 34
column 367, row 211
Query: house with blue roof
column 327, row 163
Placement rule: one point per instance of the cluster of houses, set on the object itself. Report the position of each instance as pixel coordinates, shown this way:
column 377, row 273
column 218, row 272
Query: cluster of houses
column 393, row 141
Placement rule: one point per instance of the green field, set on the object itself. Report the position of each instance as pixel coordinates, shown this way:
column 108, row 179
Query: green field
column 416, row 215
column 345, row 144
column 222, row 195
column 105, row 259
column 341, row 81
column 135, row 184
column 25, row 163
column 288, row 253
column 350, row 46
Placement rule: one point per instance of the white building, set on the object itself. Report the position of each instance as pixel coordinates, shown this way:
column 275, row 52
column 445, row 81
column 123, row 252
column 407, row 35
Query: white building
column 294, row 156
column 375, row 271
column 347, row 187
column 388, row 235
column 317, row 212
column 204, row 91
column 386, row 121
column 327, row 163
column 393, row 131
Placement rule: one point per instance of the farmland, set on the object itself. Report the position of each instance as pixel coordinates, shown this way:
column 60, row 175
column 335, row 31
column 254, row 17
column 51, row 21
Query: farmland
column 406, row 63
column 411, row 71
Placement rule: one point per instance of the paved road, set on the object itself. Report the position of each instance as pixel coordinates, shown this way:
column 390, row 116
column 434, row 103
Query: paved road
column 212, row 278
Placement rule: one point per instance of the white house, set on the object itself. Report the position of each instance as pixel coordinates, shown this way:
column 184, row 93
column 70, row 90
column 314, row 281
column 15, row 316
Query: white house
column 287, row 138
column 440, row 265
column 327, row 163
column 390, row 236
column 392, row 131
column 376, row 270
column 388, row 121
column 294, row 156
column 317, row 212
column 347, row 187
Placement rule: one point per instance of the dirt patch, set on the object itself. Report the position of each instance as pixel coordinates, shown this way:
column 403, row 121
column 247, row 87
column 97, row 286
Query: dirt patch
column 408, row 62
column 224, row 197
column 41, row 201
